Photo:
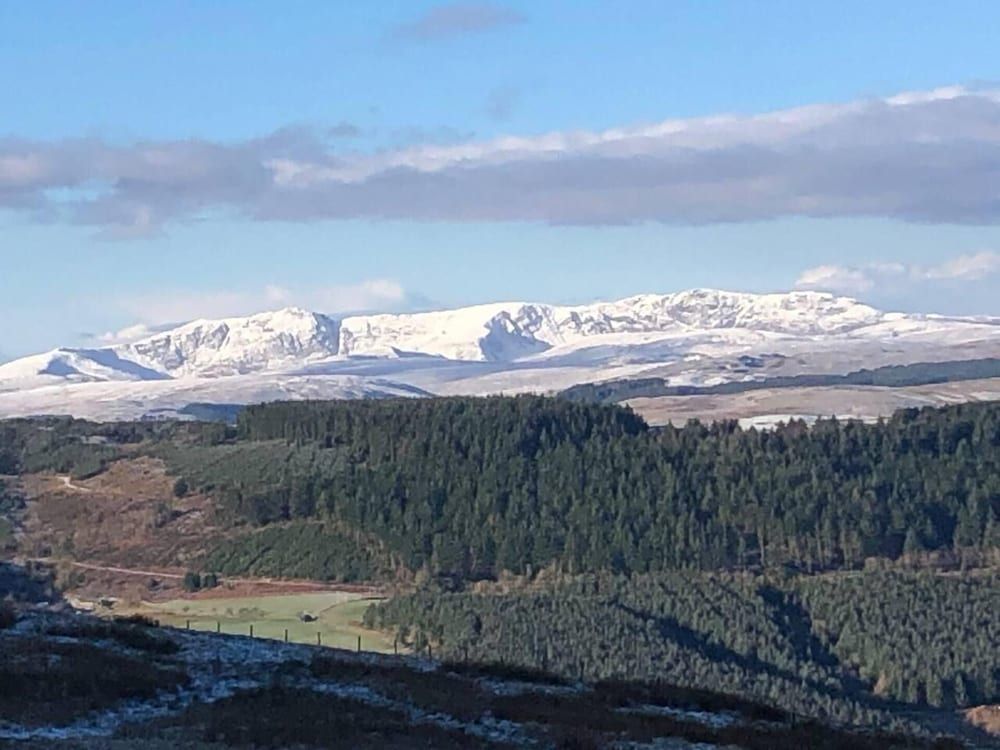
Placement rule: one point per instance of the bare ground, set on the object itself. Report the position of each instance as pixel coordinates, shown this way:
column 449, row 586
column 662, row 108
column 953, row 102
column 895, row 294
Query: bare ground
column 123, row 533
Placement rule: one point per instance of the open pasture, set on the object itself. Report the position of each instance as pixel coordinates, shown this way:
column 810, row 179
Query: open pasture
column 338, row 617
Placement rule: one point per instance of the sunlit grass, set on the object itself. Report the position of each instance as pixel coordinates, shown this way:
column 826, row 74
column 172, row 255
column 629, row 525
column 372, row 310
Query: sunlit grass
column 338, row 618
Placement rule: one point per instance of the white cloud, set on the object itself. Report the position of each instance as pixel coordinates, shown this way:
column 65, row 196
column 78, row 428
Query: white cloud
column 966, row 267
column 856, row 280
column 156, row 310
column 125, row 335
column 929, row 156
column 835, row 278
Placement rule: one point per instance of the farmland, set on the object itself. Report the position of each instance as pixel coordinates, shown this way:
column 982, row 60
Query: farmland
column 338, row 617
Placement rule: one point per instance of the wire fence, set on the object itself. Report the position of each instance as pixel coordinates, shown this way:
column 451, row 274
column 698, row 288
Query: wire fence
column 298, row 635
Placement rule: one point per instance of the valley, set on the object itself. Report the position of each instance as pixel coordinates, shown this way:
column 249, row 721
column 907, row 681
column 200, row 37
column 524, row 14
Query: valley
column 500, row 375
column 465, row 530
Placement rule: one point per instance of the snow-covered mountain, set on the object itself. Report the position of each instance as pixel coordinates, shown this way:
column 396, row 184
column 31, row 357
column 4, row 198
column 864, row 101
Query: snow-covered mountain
column 696, row 336
column 204, row 348
column 237, row 346
column 511, row 331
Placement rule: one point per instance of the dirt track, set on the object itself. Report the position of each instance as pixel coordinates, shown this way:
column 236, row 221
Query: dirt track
column 68, row 483
column 277, row 583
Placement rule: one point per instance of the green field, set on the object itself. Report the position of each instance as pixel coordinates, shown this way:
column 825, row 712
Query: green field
column 339, row 617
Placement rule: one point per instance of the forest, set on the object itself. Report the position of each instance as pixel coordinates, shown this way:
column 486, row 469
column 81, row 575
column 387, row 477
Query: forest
column 849, row 648
column 469, row 488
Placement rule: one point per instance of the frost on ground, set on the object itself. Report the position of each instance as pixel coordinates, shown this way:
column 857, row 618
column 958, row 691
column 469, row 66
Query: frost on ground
column 715, row 720
column 80, row 679
column 666, row 743
column 220, row 666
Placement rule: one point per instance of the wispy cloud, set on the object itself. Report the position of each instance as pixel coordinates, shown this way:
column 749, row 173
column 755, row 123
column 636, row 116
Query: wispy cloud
column 344, row 129
column 966, row 267
column 501, row 102
column 923, row 157
column 125, row 335
column 841, row 279
column 165, row 309
column 857, row 280
column 457, row 19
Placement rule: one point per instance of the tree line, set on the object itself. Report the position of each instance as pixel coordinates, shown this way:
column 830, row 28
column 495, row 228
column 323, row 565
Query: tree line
column 849, row 648
column 473, row 487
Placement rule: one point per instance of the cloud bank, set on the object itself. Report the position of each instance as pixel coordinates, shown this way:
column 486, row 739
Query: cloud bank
column 859, row 280
column 920, row 157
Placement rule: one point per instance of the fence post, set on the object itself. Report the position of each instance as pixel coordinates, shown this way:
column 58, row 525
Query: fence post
column 359, row 644
column 218, row 627
column 319, row 639
column 286, row 635
column 395, row 645
column 251, row 630
column 188, row 624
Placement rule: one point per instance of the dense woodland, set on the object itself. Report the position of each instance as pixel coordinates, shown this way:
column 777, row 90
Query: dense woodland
column 843, row 647
column 931, row 639
column 473, row 487
column 302, row 550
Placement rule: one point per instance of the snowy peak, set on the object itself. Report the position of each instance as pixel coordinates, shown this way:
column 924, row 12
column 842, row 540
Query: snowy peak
column 695, row 337
column 292, row 339
column 799, row 313
column 235, row 346
column 509, row 331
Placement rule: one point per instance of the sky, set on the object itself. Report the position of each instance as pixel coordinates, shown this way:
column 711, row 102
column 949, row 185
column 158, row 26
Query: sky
column 161, row 162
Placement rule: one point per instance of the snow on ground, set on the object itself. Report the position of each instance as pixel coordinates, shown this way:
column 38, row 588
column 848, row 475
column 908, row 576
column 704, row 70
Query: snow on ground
column 715, row 720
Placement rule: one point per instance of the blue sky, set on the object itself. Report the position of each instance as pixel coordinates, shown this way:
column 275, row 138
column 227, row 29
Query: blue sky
column 168, row 161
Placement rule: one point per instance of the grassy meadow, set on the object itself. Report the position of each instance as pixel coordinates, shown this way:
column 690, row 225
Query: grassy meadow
column 338, row 617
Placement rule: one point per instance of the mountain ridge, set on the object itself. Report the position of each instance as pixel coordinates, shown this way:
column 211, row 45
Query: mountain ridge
column 503, row 331
column 697, row 337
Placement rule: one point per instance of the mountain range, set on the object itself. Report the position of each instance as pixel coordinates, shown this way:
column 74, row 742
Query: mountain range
column 695, row 337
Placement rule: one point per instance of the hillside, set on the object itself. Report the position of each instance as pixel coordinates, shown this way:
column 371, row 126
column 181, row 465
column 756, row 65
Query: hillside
column 874, row 649
column 472, row 487
column 843, row 571
column 129, row 685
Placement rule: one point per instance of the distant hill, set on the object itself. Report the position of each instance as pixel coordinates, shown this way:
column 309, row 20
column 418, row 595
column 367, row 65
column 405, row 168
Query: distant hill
column 890, row 376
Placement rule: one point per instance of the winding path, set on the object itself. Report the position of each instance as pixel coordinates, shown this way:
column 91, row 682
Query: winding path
column 311, row 585
column 68, row 483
